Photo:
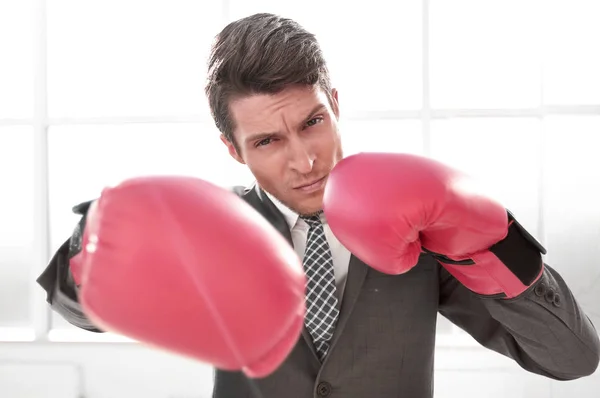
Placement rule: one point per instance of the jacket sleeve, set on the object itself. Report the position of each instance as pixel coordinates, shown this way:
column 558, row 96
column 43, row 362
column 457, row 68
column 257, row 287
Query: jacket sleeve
column 57, row 280
column 544, row 329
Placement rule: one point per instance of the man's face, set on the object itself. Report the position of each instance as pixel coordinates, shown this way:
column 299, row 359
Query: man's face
column 290, row 143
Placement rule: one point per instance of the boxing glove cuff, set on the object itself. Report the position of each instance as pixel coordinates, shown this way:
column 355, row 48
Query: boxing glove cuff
column 506, row 269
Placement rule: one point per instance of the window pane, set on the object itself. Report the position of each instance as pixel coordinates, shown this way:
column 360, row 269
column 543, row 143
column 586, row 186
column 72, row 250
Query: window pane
column 381, row 136
column 16, row 225
column 571, row 197
column 484, row 54
column 85, row 159
column 571, row 64
column 373, row 50
column 124, row 57
column 504, row 155
column 16, row 65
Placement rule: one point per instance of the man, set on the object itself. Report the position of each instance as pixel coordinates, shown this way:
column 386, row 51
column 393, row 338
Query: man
column 271, row 98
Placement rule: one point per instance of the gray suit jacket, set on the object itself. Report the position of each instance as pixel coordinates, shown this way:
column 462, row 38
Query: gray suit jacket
column 384, row 342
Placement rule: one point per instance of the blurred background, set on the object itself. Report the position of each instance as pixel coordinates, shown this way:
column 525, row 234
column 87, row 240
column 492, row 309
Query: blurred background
column 92, row 92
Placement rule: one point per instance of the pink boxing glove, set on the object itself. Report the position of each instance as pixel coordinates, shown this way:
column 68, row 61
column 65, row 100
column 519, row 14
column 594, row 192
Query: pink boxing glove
column 388, row 208
column 186, row 266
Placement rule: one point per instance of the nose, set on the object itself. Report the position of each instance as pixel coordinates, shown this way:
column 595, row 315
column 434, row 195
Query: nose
column 301, row 156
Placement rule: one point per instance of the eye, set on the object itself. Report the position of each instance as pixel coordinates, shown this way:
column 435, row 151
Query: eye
column 314, row 121
column 264, row 142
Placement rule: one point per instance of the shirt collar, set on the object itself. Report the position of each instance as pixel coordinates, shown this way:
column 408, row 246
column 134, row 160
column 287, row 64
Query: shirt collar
column 291, row 217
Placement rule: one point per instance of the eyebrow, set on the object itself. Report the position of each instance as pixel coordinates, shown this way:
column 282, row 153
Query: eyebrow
column 262, row 136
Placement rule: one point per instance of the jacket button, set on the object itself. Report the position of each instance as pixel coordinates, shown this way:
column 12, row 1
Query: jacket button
column 550, row 294
column 540, row 289
column 323, row 389
column 556, row 301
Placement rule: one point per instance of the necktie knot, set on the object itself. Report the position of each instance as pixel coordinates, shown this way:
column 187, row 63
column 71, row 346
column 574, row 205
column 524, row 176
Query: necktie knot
column 312, row 221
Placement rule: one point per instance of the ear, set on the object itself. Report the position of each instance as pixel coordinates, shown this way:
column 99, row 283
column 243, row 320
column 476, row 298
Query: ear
column 336, row 103
column 231, row 148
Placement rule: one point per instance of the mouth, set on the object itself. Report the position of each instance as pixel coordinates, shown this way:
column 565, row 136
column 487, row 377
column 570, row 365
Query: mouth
column 312, row 186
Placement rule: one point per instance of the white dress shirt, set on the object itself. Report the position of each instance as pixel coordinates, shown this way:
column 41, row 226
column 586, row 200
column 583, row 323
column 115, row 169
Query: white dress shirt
column 299, row 231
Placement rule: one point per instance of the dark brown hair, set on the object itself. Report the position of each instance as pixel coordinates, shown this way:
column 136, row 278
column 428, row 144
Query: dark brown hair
column 261, row 54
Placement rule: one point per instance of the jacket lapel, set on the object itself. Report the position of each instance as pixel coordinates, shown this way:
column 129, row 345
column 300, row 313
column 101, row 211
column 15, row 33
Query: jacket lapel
column 357, row 271
column 257, row 199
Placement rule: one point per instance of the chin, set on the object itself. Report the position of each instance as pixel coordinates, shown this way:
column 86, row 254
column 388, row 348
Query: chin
column 312, row 207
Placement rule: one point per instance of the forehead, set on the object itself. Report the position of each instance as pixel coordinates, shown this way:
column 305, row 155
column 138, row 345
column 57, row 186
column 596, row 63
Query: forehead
column 263, row 111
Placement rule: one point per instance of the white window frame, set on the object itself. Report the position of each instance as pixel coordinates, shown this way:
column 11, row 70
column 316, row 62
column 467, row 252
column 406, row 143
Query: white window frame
column 41, row 331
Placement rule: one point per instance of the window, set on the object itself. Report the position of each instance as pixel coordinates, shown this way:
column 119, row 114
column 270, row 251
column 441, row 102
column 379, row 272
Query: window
column 571, row 214
column 570, row 68
column 484, row 54
column 381, row 136
column 502, row 154
column 16, row 225
column 139, row 61
column 507, row 91
column 85, row 159
column 16, row 66
column 374, row 53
